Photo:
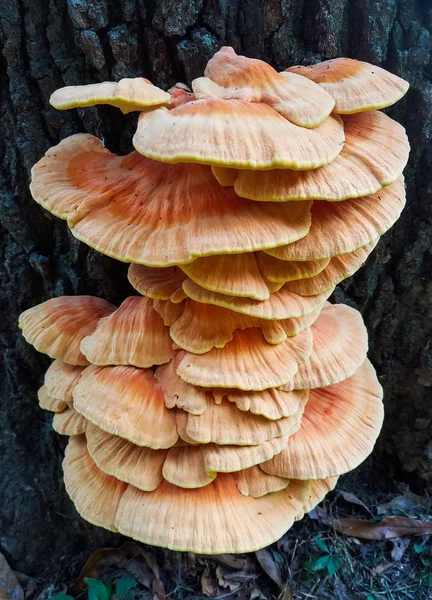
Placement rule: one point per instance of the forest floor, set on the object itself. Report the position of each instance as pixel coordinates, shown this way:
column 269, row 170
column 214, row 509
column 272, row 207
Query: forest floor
column 389, row 559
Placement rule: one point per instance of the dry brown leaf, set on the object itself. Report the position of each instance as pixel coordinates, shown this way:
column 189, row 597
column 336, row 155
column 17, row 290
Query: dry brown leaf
column 270, row 566
column 208, row 584
column 10, row 589
column 400, row 546
column 223, row 582
column 391, row 527
column 286, row 594
column 381, row 568
column 229, row 560
column 114, row 556
column 348, row 497
column 407, row 503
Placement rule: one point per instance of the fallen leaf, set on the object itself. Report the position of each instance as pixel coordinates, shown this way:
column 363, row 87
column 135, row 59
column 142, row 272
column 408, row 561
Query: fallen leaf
column 400, row 545
column 391, row 527
column 348, row 497
column 139, row 569
column 10, row 589
column 223, row 582
column 286, row 594
column 208, row 584
column 229, row 560
column 114, row 556
column 381, row 568
column 270, row 566
column 407, row 503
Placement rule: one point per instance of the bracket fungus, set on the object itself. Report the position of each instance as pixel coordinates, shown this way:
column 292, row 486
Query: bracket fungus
column 229, row 388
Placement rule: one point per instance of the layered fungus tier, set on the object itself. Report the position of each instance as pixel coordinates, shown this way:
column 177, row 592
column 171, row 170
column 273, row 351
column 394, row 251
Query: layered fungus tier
column 214, row 408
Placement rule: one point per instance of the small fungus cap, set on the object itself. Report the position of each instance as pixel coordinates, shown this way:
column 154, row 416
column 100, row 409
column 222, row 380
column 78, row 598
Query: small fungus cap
column 340, row 345
column 343, row 227
column 142, row 467
column 229, row 76
column 338, row 429
column 243, row 362
column 201, row 327
column 128, row 94
column 127, row 402
column 273, row 403
column 356, row 86
column 60, row 380
column 134, row 334
column 339, row 268
column 374, row 155
column 57, row 326
column 282, row 304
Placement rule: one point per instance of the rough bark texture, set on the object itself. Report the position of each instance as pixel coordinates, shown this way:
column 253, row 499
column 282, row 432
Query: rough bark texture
column 50, row 43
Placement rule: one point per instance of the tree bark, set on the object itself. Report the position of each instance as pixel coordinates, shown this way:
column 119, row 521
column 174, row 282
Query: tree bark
column 47, row 44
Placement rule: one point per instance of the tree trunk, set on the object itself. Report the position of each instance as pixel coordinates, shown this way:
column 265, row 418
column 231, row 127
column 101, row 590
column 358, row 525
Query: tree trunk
column 47, row 44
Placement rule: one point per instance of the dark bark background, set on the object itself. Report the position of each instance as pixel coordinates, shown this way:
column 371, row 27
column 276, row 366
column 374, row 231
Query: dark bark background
column 46, row 44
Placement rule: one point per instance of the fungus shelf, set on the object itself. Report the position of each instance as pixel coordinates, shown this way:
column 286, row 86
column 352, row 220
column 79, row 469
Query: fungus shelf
column 214, row 409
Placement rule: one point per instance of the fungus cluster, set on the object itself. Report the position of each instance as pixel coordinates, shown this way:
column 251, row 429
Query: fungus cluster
column 212, row 410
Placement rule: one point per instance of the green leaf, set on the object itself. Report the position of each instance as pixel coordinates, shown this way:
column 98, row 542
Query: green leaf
column 334, row 564
column 418, row 548
column 426, row 561
column 322, row 545
column 124, row 586
column 61, row 597
column 318, row 563
column 97, row 590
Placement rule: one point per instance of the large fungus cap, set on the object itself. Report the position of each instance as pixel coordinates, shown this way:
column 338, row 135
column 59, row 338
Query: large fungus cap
column 134, row 334
column 202, row 327
column 213, row 519
column 128, row 402
column 244, row 362
column 142, row 467
column 340, row 345
column 138, row 210
column 338, row 429
column 374, row 155
column 216, row 518
column 356, row 86
column 282, row 304
column 237, row 134
column 128, row 95
column 339, row 268
column 60, row 379
column 230, row 76
column 273, row 403
column 342, row 227
column 57, row 326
